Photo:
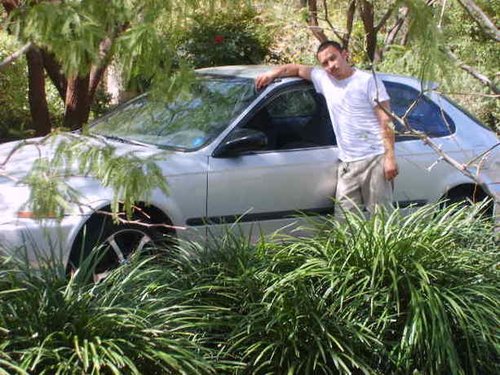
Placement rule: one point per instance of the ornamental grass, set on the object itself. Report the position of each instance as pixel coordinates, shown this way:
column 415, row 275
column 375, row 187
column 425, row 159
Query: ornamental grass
column 391, row 294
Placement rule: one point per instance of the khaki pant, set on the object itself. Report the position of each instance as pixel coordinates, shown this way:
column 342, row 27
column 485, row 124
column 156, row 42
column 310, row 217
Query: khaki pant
column 361, row 184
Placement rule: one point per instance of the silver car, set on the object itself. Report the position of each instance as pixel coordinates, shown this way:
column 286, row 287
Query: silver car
column 233, row 156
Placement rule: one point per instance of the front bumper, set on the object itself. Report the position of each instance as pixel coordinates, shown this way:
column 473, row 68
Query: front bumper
column 38, row 241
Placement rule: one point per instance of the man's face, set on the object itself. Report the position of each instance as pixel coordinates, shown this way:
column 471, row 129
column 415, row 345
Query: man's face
column 334, row 62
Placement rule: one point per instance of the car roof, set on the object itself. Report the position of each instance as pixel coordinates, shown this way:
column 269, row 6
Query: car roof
column 252, row 71
column 243, row 71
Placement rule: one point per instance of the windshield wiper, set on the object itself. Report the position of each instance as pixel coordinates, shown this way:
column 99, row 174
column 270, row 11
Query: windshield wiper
column 123, row 140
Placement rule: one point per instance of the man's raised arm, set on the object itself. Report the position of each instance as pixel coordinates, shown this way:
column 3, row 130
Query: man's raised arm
column 288, row 70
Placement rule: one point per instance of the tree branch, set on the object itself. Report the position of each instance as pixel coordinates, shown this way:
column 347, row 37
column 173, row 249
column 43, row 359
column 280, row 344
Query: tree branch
column 385, row 17
column 473, row 72
column 16, row 55
column 313, row 21
column 327, row 20
column 476, row 13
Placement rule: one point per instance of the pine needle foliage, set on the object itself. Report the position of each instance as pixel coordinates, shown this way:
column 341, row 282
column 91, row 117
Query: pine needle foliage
column 130, row 177
column 425, row 55
column 73, row 30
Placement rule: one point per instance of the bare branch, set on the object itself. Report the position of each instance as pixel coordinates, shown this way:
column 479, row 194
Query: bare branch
column 484, row 22
column 385, row 17
column 330, row 24
column 481, row 156
column 464, row 168
column 393, row 32
column 473, row 72
column 313, row 21
column 429, row 142
column 16, row 55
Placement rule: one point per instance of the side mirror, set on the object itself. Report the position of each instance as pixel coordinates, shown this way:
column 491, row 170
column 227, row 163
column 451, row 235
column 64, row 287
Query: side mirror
column 241, row 141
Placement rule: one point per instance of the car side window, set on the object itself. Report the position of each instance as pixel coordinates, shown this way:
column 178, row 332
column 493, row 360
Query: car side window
column 426, row 116
column 295, row 118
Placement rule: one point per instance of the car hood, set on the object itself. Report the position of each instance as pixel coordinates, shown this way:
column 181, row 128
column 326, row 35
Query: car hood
column 17, row 158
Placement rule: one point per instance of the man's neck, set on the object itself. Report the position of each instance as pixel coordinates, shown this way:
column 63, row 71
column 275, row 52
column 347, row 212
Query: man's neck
column 348, row 73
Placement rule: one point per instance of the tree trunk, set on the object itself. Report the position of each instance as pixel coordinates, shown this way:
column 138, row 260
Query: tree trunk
column 77, row 103
column 313, row 21
column 10, row 5
column 367, row 16
column 36, row 94
column 54, row 72
column 351, row 11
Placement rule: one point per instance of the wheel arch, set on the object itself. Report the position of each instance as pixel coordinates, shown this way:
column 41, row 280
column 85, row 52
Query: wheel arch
column 148, row 212
column 469, row 190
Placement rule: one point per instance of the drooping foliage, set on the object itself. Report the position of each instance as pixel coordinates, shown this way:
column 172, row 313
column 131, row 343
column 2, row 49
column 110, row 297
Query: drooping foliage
column 74, row 42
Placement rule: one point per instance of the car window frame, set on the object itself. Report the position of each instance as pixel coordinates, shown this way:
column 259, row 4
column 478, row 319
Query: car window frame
column 261, row 103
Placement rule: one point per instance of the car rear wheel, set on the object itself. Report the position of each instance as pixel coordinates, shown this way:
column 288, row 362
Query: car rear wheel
column 467, row 195
column 104, row 244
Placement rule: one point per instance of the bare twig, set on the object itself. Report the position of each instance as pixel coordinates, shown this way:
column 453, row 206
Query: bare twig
column 473, row 72
column 484, row 22
column 493, row 96
column 313, row 21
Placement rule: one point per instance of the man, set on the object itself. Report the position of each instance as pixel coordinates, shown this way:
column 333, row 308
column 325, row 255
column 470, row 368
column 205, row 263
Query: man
column 356, row 103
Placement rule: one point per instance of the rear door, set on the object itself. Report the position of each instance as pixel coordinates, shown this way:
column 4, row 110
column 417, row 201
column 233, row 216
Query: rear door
column 422, row 173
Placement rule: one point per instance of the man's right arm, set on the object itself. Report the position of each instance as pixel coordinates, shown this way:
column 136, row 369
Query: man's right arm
column 288, row 70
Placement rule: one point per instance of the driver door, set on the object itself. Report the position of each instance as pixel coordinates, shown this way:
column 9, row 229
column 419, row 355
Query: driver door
column 278, row 186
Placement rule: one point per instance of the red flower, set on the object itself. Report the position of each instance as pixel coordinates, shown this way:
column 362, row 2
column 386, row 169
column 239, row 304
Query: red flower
column 218, row 39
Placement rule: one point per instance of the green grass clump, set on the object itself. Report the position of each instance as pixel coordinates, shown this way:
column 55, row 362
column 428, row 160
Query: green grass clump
column 391, row 294
column 124, row 324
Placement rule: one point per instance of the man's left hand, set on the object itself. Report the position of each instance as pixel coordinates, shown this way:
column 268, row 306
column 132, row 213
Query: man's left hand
column 390, row 168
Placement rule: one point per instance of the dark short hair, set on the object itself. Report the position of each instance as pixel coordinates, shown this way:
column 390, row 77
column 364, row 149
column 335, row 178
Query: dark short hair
column 329, row 43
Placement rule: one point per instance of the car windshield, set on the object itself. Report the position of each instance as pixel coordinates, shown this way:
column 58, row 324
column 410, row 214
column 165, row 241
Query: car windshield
column 187, row 122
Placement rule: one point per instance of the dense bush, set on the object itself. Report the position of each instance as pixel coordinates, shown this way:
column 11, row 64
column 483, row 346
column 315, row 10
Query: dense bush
column 387, row 295
column 15, row 117
column 226, row 38
column 14, row 111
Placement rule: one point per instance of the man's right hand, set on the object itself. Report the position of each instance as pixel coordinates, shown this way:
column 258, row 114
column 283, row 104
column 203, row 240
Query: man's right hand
column 264, row 79
column 288, row 70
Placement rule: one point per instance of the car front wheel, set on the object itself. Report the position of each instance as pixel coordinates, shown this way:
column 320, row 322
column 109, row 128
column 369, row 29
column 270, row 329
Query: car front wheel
column 104, row 244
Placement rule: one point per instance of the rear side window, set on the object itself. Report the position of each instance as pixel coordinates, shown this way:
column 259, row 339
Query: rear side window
column 426, row 116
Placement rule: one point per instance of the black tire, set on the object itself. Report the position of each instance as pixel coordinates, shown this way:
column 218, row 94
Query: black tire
column 111, row 244
column 469, row 195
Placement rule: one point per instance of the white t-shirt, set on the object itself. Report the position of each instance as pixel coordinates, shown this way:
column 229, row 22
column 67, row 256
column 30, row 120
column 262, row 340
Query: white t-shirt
column 351, row 103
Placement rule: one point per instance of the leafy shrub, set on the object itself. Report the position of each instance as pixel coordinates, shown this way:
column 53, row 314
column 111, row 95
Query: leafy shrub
column 15, row 117
column 226, row 38
column 14, row 111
